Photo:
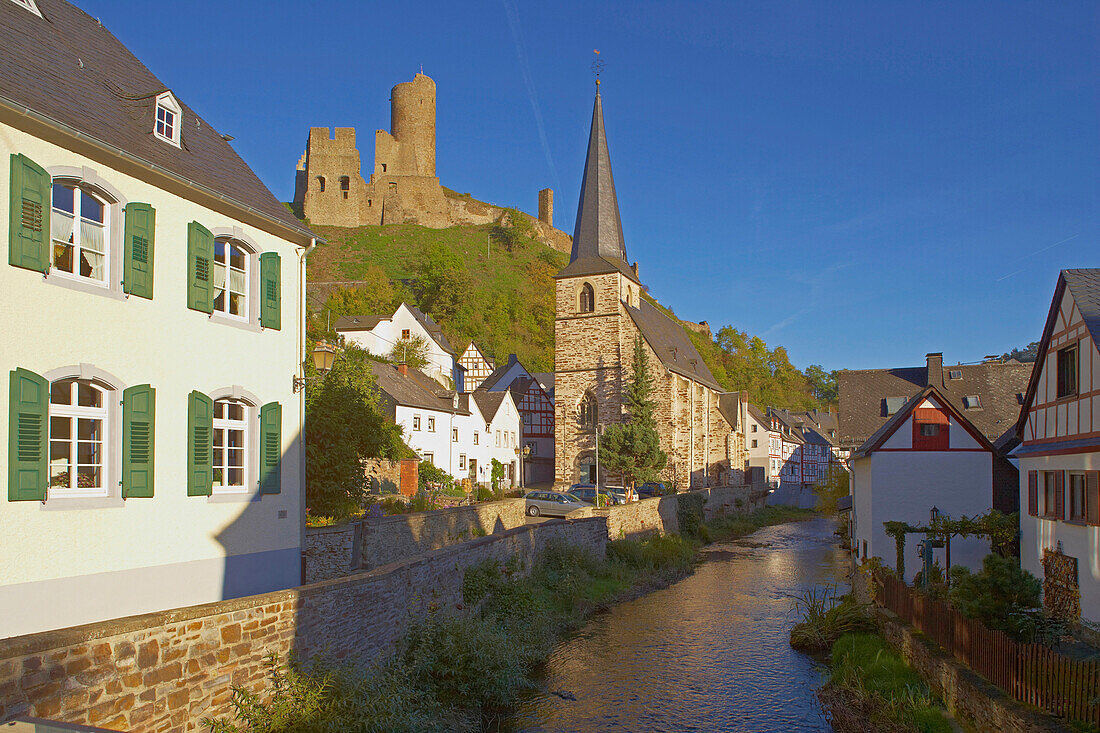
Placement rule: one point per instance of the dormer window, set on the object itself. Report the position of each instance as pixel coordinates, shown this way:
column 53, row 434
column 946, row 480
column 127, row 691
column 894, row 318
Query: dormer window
column 166, row 126
column 29, row 5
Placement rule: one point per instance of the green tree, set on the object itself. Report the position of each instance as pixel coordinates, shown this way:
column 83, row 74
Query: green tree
column 823, row 384
column 343, row 428
column 831, row 489
column 412, row 351
column 634, row 447
column 1002, row 595
column 442, row 282
column 377, row 294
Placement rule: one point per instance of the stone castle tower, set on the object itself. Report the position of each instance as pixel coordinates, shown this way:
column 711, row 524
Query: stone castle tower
column 403, row 186
column 599, row 315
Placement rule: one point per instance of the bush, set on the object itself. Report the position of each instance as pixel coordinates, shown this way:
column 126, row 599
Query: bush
column 689, row 516
column 826, row 616
column 1002, row 596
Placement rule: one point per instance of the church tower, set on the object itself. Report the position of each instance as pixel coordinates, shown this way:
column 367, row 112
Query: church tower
column 591, row 293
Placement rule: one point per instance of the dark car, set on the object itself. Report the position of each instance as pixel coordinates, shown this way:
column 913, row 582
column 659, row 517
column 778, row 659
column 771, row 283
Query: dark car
column 653, row 488
column 587, row 494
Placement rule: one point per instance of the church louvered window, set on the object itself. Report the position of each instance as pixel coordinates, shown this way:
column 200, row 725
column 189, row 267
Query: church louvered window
column 588, row 411
column 588, row 299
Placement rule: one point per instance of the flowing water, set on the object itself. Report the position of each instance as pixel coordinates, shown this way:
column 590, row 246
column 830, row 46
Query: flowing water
column 709, row 653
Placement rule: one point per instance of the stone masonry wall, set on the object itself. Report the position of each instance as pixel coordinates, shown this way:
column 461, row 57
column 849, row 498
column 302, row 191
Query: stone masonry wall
column 329, row 552
column 659, row 514
column 166, row 671
column 968, row 696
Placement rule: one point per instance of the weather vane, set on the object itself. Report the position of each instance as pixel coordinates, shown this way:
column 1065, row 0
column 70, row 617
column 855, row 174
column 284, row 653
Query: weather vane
column 597, row 65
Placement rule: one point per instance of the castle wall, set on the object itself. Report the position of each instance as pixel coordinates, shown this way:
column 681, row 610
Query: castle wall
column 412, row 124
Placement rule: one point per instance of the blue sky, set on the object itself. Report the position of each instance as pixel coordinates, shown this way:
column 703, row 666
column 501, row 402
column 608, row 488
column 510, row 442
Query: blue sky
column 859, row 182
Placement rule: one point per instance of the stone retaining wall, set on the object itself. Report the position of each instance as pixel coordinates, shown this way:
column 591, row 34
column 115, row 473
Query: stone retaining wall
column 659, row 514
column 333, row 552
column 968, row 696
column 165, row 671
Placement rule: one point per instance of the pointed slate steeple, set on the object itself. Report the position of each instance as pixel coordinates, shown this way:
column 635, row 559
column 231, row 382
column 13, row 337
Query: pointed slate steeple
column 598, row 245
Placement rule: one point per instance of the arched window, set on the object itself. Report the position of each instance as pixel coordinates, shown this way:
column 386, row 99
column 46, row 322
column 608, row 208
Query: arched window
column 80, row 230
column 232, row 274
column 588, row 299
column 321, row 184
column 78, row 437
column 231, row 446
column 589, row 411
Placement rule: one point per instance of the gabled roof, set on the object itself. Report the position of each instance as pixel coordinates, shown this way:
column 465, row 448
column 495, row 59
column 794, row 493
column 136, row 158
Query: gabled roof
column 879, row 437
column 598, row 245
column 74, row 75
column 671, row 344
column 1084, row 286
column 489, row 402
column 729, row 406
column 414, row 389
column 358, row 323
column 863, row 395
column 545, row 380
column 433, row 328
column 758, row 415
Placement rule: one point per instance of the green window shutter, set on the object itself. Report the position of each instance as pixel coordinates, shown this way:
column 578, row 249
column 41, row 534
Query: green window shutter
column 28, row 436
column 271, row 447
column 138, row 416
column 200, row 268
column 270, row 298
column 200, row 433
column 29, row 225
column 137, row 276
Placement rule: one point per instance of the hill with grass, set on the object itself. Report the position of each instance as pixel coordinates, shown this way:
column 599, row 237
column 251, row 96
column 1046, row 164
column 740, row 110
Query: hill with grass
column 493, row 284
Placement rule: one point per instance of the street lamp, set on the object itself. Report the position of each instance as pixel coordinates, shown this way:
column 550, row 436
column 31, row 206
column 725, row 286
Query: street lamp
column 324, row 356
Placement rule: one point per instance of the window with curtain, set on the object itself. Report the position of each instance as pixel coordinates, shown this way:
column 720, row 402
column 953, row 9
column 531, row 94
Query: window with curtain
column 78, row 438
column 79, row 227
column 231, row 453
column 232, row 263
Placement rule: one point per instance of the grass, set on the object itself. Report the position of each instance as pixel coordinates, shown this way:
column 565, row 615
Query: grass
column 731, row 526
column 871, row 687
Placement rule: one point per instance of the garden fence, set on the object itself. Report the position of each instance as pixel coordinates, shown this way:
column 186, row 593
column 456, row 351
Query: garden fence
column 1031, row 673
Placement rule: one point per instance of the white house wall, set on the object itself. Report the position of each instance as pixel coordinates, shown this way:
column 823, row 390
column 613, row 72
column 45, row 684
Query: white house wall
column 71, row 561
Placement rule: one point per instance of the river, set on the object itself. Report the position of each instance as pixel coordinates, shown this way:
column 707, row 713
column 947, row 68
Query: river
column 709, row 653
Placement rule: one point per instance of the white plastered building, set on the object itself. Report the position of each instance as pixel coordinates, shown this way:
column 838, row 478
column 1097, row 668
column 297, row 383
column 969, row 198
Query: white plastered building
column 380, row 334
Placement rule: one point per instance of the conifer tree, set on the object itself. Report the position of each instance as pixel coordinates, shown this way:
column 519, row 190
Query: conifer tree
column 634, row 447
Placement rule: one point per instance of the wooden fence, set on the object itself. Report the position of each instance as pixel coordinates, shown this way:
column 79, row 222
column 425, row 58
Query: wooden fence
column 1031, row 673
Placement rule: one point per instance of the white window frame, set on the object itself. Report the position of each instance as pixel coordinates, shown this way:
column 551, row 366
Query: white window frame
column 74, row 412
column 246, row 296
column 431, row 424
column 80, row 189
column 476, row 438
column 226, row 424
column 462, row 461
column 29, row 5
column 167, row 102
column 454, row 435
column 416, row 422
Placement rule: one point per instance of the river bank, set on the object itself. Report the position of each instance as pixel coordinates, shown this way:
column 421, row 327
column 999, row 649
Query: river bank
column 467, row 671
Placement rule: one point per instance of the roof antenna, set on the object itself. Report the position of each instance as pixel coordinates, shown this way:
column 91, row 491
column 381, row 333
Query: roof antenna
column 597, row 67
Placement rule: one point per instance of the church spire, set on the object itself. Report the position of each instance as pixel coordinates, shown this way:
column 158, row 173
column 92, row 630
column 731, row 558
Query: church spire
column 599, row 232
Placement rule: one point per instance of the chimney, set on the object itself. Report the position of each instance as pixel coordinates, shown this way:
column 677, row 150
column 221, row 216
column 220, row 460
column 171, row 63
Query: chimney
column 934, row 377
column 403, row 369
column 512, row 359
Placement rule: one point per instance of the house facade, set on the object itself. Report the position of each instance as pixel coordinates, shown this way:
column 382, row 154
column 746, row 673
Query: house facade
column 927, row 455
column 600, row 315
column 502, row 423
column 153, row 300
column 1059, row 453
column 477, row 366
column 536, row 410
column 758, row 440
column 381, row 334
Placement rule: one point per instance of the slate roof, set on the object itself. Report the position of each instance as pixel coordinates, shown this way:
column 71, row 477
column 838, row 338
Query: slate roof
column 68, row 68
column 545, row 380
column 489, row 402
column 673, row 347
column 358, row 323
column 598, row 245
column 1084, row 286
column 759, row 416
column 879, row 436
column 729, row 404
column 414, row 389
column 432, row 328
column 863, row 395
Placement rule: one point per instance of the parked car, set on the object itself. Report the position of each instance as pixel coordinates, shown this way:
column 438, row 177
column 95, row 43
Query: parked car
column 621, row 493
column 653, row 488
column 551, row 503
column 587, row 494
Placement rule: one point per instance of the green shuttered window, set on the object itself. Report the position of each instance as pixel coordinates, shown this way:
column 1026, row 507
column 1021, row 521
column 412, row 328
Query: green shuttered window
column 138, row 429
column 137, row 276
column 271, row 447
column 200, row 428
column 200, row 266
column 29, row 223
column 28, row 437
column 271, row 285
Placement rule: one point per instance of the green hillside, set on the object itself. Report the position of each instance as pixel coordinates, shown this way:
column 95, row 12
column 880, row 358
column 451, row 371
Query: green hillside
column 504, row 300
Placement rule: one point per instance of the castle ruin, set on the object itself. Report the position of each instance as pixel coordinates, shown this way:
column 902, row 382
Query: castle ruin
column 403, row 186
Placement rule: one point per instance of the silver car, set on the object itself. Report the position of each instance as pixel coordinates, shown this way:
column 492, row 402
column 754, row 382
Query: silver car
column 551, row 503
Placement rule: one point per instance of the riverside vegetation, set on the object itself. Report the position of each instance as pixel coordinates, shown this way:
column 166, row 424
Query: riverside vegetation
column 466, row 672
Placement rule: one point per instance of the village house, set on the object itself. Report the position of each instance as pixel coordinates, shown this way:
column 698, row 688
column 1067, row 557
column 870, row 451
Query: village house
column 153, row 306
column 476, row 365
column 1059, row 453
column 536, row 409
column 380, row 334
column 600, row 312
column 927, row 437
column 460, row 433
column 758, row 440
column 928, row 454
